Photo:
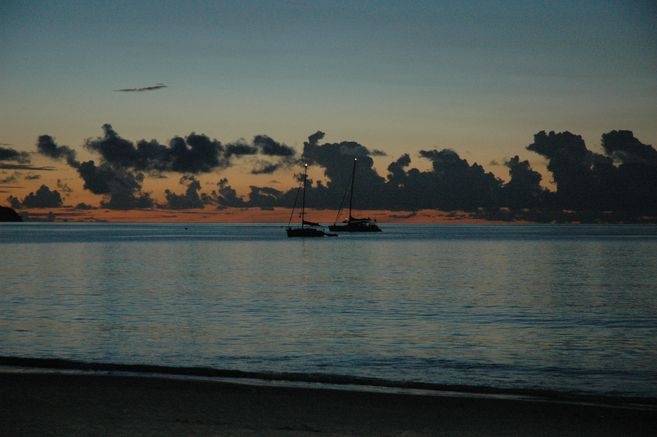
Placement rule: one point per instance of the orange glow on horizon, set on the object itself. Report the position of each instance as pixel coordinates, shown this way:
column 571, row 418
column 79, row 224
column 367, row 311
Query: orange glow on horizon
column 239, row 215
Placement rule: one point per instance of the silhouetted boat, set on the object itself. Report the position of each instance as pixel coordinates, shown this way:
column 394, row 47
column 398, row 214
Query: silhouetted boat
column 307, row 228
column 353, row 224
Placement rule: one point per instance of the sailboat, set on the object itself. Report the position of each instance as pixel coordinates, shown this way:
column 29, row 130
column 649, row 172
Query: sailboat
column 353, row 224
column 307, row 228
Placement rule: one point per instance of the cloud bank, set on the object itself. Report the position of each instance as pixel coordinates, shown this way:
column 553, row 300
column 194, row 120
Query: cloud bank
column 622, row 179
column 123, row 164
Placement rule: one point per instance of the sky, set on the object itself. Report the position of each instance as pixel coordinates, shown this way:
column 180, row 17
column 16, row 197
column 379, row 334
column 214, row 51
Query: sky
column 480, row 77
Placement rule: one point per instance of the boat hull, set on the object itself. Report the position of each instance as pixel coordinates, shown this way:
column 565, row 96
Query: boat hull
column 355, row 227
column 304, row 232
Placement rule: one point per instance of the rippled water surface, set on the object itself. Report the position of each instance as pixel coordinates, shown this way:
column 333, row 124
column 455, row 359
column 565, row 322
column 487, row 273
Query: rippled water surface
column 565, row 307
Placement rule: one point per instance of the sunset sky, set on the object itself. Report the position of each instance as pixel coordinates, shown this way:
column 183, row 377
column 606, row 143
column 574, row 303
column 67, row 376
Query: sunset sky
column 480, row 77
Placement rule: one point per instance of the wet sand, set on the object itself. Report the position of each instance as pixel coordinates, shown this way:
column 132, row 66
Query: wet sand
column 80, row 404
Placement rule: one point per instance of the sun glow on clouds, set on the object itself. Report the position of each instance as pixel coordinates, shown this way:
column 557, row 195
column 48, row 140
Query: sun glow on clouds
column 475, row 77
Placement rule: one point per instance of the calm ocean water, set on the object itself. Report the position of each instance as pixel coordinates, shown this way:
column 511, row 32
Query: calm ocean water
column 562, row 307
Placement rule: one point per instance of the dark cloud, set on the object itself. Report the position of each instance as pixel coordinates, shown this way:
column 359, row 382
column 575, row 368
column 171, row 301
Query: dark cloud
column 264, row 167
column 240, row 148
column 225, row 196
column 123, row 163
column 314, row 139
column 452, row 183
column 32, row 177
column 376, row 152
column 25, row 167
column 84, row 206
column 122, row 186
column 146, row 88
column 127, row 200
column 397, row 176
column 194, row 154
column 9, row 154
column 264, row 145
column 41, row 198
column 264, row 196
column 46, row 146
column 632, row 184
column 11, row 159
column 573, row 167
column 524, row 188
column 622, row 146
column 455, row 184
column 120, row 172
column 337, row 159
column 270, row 147
column 622, row 180
column 190, row 199
column 199, row 155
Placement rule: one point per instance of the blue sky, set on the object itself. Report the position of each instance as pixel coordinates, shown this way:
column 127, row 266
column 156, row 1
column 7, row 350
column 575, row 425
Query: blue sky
column 480, row 77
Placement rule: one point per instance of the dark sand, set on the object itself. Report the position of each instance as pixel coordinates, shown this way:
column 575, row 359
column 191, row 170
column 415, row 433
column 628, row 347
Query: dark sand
column 59, row 404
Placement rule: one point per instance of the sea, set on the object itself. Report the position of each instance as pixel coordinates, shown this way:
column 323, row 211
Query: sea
column 563, row 308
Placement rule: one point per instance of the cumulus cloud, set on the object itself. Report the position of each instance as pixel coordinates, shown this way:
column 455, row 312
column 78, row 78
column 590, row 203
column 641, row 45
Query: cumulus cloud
column 190, row 199
column 397, row 172
column 337, row 160
column 524, row 188
column 572, row 166
column 225, row 195
column 195, row 153
column 459, row 185
column 624, row 179
column 41, row 198
column 622, row 146
column 122, row 186
column 119, row 175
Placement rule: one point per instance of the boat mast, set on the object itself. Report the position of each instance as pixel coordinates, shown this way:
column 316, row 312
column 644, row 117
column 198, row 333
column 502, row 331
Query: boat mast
column 303, row 198
column 351, row 194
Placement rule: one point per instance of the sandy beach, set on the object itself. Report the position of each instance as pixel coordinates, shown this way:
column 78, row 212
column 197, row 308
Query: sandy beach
column 61, row 404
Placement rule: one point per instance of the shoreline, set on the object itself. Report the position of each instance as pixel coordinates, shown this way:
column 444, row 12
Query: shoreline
column 27, row 365
column 81, row 404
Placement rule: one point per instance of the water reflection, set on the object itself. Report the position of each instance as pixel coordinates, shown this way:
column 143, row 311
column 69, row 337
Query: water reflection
column 505, row 306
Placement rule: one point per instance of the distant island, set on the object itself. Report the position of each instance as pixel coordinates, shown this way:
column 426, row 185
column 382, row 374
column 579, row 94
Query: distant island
column 9, row 215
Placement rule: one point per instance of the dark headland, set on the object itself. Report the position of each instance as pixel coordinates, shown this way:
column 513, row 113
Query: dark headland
column 9, row 215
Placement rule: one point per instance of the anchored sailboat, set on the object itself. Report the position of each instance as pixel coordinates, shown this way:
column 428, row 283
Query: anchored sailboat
column 353, row 224
column 307, row 228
